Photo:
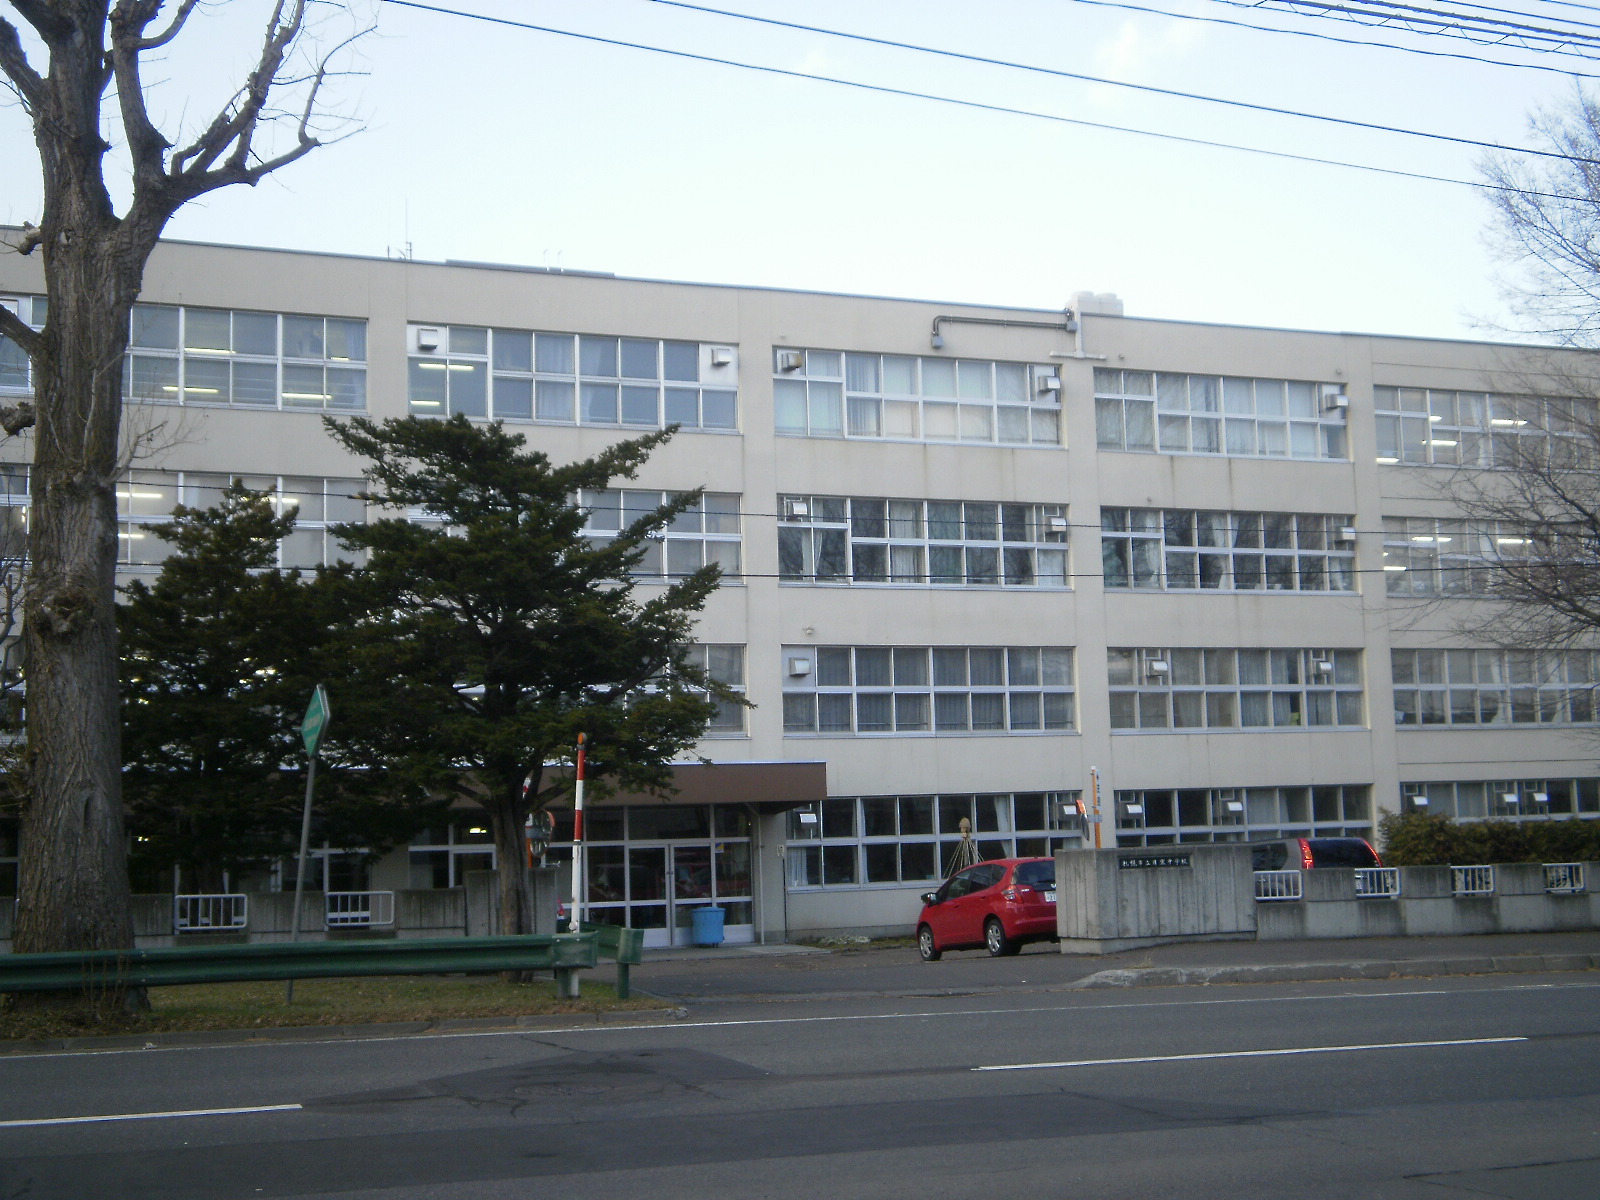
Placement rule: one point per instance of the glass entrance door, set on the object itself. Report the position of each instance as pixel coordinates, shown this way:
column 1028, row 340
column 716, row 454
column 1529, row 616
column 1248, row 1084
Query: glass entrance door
column 651, row 868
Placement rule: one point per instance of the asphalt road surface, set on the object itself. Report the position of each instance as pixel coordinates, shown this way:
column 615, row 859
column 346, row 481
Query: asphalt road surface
column 1433, row 1089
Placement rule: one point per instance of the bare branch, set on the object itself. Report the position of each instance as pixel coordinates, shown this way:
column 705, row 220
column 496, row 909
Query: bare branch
column 146, row 145
column 172, row 30
column 14, row 63
column 18, row 330
column 233, row 127
column 45, row 18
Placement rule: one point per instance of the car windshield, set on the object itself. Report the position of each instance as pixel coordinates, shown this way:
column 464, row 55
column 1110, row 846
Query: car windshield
column 1037, row 874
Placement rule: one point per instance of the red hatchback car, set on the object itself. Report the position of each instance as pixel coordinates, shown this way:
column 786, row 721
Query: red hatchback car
column 998, row 904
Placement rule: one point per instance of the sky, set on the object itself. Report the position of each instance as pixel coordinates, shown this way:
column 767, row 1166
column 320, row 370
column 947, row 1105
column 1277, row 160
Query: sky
column 465, row 140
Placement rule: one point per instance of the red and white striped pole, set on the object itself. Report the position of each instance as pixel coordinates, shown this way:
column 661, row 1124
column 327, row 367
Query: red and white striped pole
column 577, row 836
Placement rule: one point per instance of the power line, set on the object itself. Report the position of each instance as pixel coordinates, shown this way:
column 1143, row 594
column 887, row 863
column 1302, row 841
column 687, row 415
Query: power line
column 907, row 93
column 1117, row 83
column 1127, row 6
column 1444, row 23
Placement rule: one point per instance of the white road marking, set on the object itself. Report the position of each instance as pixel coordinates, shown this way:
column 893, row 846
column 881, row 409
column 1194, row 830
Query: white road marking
column 151, row 1116
column 1166, row 1058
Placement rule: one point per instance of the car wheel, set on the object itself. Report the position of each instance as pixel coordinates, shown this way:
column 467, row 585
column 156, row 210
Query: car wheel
column 995, row 939
column 926, row 946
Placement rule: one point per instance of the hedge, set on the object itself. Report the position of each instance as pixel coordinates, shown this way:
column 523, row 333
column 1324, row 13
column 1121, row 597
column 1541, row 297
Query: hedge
column 1420, row 839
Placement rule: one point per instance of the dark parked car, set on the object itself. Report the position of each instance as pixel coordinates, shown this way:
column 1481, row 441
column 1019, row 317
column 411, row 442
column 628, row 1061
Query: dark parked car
column 1305, row 854
column 998, row 905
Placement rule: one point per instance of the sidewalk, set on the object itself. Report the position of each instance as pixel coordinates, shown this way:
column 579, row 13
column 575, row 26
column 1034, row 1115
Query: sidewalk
column 773, row 972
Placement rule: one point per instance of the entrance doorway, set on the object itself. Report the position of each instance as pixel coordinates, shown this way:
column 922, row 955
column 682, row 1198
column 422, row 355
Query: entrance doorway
column 650, row 867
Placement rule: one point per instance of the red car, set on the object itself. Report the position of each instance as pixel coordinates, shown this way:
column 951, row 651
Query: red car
column 998, row 904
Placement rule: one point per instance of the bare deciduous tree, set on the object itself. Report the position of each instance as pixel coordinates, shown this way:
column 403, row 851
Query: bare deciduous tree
column 1546, row 227
column 73, row 890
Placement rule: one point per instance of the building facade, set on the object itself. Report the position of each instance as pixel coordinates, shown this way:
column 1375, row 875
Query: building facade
column 1007, row 568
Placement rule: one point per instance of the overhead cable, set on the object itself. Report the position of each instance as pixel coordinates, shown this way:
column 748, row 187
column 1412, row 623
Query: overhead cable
column 1127, row 6
column 1118, row 83
column 882, row 89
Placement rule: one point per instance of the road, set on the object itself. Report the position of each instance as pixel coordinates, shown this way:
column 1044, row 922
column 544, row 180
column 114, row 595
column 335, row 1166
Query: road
column 1460, row 1087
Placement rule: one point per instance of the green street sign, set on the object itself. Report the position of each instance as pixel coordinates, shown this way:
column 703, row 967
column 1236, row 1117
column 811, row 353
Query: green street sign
column 316, row 720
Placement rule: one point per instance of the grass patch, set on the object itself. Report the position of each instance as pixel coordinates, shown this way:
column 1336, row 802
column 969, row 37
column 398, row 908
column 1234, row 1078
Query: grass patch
column 366, row 1001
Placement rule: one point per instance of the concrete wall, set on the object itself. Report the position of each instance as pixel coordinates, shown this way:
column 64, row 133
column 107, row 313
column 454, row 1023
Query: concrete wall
column 418, row 914
column 1426, row 906
column 1109, row 900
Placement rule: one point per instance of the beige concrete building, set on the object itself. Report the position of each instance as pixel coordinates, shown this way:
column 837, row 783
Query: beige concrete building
column 983, row 564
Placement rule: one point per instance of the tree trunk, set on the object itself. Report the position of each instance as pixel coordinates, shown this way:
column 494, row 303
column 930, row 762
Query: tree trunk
column 74, row 890
column 508, row 817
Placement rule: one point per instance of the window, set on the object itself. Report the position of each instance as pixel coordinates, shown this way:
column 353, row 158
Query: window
column 1477, row 429
column 1192, row 690
column 1208, row 414
column 847, row 690
column 251, row 359
column 725, row 664
column 1494, row 687
column 1160, row 817
column 16, row 371
column 1184, row 550
column 825, row 393
column 1423, row 556
column 564, row 378
column 1504, row 799
column 854, row 540
column 147, row 498
column 890, row 841
column 699, row 536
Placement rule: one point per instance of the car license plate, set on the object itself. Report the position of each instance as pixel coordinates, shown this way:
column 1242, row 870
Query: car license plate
column 1049, row 897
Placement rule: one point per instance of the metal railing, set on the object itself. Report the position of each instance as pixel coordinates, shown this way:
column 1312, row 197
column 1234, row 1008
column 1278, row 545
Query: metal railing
column 1472, row 881
column 356, row 909
column 1563, row 879
column 208, row 961
column 1278, row 885
column 226, row 910
column 1377, row 883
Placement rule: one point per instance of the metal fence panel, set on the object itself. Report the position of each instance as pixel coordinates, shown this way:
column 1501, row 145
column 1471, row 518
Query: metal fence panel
column 1563, row 879
column 346, row 909
column 224, row 910
column 1377, row 883
column 1278, row 885
column 1472, row 881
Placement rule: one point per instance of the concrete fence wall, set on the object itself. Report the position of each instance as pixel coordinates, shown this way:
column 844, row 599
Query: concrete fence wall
column 1427, row 906
column 1111, row 900
column 469, row 911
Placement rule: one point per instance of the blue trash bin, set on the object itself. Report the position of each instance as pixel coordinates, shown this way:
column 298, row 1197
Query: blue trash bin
column 707, row 926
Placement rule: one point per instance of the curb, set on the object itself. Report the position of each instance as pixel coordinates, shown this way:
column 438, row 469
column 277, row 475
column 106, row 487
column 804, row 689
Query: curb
column 550, row 1022
column 1527, row 964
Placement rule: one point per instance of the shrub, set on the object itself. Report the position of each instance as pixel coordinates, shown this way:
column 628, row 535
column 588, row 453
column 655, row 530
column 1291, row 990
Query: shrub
column 1421, row 839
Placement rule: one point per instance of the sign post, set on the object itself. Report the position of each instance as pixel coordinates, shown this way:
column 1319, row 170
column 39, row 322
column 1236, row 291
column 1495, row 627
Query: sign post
column 312, row 728
column 577, row 835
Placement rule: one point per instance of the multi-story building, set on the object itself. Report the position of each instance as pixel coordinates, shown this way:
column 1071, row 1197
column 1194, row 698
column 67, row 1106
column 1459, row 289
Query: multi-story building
column 985, row 566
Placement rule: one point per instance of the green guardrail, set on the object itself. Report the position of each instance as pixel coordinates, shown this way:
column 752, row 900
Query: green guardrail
column 158, row 966
column 623, row 946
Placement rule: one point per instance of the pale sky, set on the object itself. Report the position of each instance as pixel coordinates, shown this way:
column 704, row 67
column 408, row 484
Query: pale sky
column 489, row 143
